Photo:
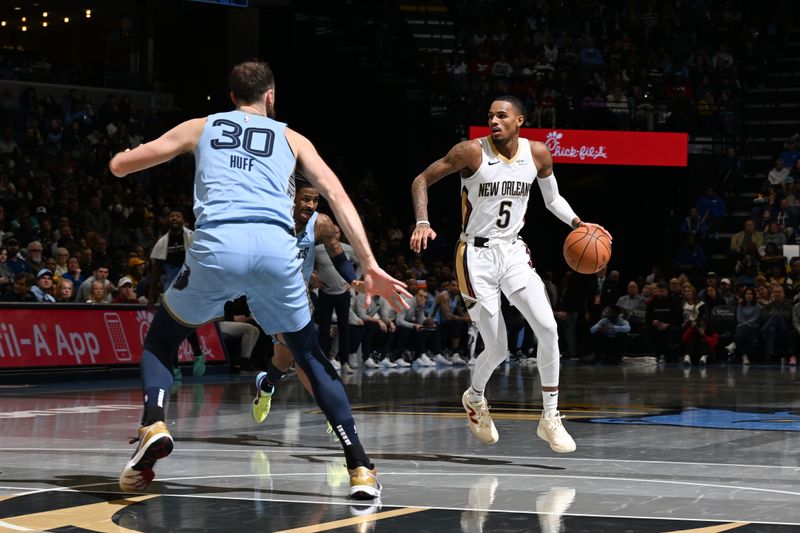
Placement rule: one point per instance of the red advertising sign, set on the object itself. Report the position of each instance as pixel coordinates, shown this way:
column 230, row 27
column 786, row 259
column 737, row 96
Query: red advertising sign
column 45, row 336
column 595, row 147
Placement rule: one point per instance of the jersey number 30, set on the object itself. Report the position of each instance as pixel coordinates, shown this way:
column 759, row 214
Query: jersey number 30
column 255, row 141
column 504, row 216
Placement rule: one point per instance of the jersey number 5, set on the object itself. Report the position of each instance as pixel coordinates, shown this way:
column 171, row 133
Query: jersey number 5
column 504, row 216
column 255, row 141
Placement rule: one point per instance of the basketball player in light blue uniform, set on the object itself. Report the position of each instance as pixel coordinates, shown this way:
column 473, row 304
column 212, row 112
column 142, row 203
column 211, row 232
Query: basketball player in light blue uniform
column 245, row 244
column 310, row 227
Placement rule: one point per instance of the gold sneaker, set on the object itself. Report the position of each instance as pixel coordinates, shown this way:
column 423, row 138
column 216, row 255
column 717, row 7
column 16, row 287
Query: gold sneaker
column 364, row 483
column 480, row 421
column 552, row 431
column 155, row 443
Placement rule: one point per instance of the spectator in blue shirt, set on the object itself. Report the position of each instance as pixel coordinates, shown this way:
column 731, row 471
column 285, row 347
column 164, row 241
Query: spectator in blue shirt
column 16, row 262
column 790, row 155
column 590, row 57
column 711, row 206
column 694, row 224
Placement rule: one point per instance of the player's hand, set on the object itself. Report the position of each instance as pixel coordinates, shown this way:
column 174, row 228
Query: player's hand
column 590, row 225
column 382, row 325
column 378, row 282
column 419, row 239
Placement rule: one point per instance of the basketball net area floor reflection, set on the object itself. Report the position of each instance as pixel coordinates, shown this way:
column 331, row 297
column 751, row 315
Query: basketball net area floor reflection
column 659, row 449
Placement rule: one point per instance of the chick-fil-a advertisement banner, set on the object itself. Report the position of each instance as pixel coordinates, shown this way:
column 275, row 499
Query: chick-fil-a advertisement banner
column 595, row 147
column 62, row 335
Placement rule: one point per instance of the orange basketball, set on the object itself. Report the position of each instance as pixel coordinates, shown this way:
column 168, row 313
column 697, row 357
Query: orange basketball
column 587, row 250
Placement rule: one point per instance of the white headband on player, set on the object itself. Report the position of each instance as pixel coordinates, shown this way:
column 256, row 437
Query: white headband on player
column 554, row 201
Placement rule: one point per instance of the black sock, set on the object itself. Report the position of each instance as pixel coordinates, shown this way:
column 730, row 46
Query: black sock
column 274, row 376
column 353, row 451
column 152, row 414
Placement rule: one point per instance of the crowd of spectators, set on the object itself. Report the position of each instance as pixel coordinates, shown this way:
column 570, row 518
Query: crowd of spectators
column 605, row 65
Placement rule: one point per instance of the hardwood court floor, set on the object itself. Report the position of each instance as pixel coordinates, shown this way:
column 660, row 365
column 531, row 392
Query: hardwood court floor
column 660, row 449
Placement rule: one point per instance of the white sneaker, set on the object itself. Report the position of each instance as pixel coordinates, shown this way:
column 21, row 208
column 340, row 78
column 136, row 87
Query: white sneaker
column 336, row 365
column 347, row 369
column 552, row 431
column 480, row 421
column 354, row 360
column 528, row 361
column 457, row 361
column 687, row 360
column 370, row 363
column 731, row 347
column 402, row 363
column 745, row 360
column 439, row 359
column 425, row 360
column 703, row 359
column 471, row 361
column 385, row 363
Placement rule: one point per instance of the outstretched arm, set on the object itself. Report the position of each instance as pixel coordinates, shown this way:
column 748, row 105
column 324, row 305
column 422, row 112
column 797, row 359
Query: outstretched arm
column 464, row 155
column 180, row 139
column 325, row 181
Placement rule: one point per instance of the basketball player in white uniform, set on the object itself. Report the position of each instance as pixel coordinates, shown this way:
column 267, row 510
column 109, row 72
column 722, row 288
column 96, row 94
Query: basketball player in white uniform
column 497, row 173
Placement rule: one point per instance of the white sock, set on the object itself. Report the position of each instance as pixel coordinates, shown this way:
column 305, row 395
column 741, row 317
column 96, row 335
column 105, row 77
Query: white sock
column 550, row 402
column 474, row 396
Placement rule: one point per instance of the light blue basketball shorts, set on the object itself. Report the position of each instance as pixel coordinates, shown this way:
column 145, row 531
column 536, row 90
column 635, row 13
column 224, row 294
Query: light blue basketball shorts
column 228, row 260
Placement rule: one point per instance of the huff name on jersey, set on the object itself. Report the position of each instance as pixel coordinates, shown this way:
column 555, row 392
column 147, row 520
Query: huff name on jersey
column 245, row 163
column 504, row 188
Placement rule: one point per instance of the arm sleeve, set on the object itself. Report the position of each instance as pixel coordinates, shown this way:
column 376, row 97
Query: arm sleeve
column 344, row 267
column 554, row 201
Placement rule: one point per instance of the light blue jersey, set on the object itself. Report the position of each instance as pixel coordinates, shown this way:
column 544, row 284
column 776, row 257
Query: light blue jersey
column 244, row 243
column 244, row 168
column 305, row 243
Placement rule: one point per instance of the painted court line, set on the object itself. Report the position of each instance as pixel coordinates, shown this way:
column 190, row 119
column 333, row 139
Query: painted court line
column 354, row 521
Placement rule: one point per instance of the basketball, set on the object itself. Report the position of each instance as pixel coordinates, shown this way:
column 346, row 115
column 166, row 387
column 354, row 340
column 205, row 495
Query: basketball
column 587, row 250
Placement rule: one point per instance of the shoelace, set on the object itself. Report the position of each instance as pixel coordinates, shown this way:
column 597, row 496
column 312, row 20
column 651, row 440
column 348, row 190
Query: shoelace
column 484, row 420
column 557, row 427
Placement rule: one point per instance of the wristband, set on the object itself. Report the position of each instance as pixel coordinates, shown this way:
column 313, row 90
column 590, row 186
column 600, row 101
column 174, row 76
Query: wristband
column 423, row 222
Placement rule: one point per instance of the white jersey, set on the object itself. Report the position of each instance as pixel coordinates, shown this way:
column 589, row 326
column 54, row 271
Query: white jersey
column 495, row 198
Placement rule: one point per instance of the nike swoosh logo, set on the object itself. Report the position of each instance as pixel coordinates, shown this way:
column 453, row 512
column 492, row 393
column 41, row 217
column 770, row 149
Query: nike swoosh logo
column 493, row 163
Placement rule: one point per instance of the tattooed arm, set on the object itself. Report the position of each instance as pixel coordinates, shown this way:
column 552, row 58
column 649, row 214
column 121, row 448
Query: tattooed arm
column 463, row 156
